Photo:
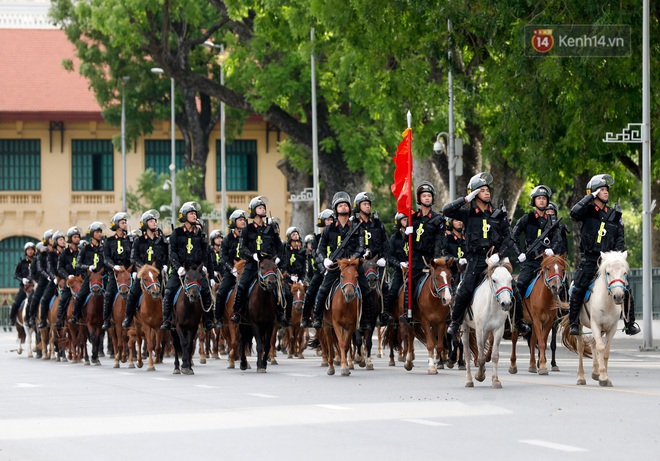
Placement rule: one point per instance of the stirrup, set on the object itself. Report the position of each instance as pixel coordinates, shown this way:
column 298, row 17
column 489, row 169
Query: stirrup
column 73, row 320
column 318, row 323
column 574, row 330
column 403, row 318
column 631, row 329
column 236, row 318
column 167, row 325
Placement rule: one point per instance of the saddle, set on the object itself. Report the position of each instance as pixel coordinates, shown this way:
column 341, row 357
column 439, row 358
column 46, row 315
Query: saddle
column 587, row 294
column 531, row 286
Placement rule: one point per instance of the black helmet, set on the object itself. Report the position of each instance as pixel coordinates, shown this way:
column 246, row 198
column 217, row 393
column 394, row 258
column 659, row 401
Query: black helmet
column 341, row 197
column 187, row 208
column 236, row 214
column 96, row 225
column 397, row 219
column 540, row 191
column 254, row 203
column 309, row 238
column 479, row 180
column 291, row 230
column 552, row 206
column 56, row 235
column 425, row 186
column 75, row 230
column 114, row 223
column 600, row 180
column 325, row 214
column 47, row 236
column 361, row 197
column 148, row 216
column 29, row 245
column 214, row 235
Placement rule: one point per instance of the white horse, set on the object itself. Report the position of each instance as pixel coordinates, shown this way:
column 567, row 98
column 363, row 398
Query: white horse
column 491, row 304
column 601, row 314
column 24, row 332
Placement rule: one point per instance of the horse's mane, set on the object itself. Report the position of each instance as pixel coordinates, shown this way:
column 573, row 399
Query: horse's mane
column 342, row 263
column 147, row 267
column 611, row 257
column 239, row 265
column 503, row 263
column 554, row 259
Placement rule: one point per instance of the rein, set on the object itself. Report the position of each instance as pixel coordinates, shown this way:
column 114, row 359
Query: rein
column 438, row 289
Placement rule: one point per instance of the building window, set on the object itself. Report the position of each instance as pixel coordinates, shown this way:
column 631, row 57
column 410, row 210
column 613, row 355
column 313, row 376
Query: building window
column 241, row 165
column 92, row 164
column 20, row 164
column 158, row 155
column 11, row 252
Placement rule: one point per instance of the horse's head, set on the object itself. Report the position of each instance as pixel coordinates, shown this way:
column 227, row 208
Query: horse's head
column 500, row 279
column 268, row 273
column 148, row 276
column 28, row 288
column 124, row 280
column 441, row 279
column 298, row 292
column 614, row 267
column 74, row 282
column 371, row 272
column 96, row 282
column 192, row 282
column 348, row 278
column 554, row 272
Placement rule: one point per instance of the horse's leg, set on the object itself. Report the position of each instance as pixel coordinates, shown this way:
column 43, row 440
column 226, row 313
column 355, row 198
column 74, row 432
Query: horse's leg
column 344, row 337
column 410, row 347
column 368, row 344
column 553, row 346
column 480, row 375
column 151, row 339
column 430, row 344
column 328, row 334
column 542, row 343
column 600, row 370
column 495, row 355
column 466, row 347
column 580, row 347
column 606, row 357
column 176, row 342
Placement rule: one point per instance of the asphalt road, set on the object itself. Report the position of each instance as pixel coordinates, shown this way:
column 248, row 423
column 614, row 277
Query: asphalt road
column 64, row 411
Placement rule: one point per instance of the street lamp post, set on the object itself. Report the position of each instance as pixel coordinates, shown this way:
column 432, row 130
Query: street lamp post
column 158, row 70
column 123, row 142
column 454, row 158
column 223, row 148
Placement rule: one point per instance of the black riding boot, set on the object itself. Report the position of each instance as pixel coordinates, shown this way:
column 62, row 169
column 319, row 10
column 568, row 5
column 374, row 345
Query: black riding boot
column 521, row 326
column 631, row 328
column 167, row 310
column 131, row 307
column 403, row 318
column 307, row 309
column 367, row 312
column 44, row 316
column 239, row 303
column 61, row 311
column 575, row 304
column 77, row 311
column 107, row 312
column 318, row 315
column 219, row 313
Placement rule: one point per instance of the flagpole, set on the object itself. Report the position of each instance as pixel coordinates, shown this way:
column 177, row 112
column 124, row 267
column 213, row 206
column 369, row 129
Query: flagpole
column 410, row 238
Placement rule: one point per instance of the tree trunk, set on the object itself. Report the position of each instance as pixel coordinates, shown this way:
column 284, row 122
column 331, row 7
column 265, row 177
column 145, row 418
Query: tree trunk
column 579, row 184
column 507, row 185
column 301, row 211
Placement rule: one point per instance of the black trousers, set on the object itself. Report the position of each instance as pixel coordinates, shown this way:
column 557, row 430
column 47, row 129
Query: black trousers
column 109, row 297
column 228, row 282
column 392, row 294
column 133, row 298
column 63, row 303
column 36, row 297
column 16, row 305
column 310, row 294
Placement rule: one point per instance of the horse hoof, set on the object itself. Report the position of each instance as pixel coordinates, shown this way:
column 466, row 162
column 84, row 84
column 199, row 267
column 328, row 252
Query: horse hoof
column 231, row 367
column 532, row 370
column 543, row 371
column 606, row 383
column 96, row 363
column 243, row 367
column 408, row 366
column 290, row 356
column 331, row 371
column 202, row 361
column 462, row 367
column 370, row 367
column 555, row 368
column 401, row 359
column 261, row 370
column 497, row 385
column 116, row 365
column 151, row 368
column 176, row 371
column 513, row 370
column 140, row 365
column 301, row 356
column 274, row 361
column 345, row 372
column 480, row 377
column 451, row 363
column 595, row 376
column 469, row 384
column 362, row 364
column 351, row 366
column 187, row 371
column 131, row 365
column 392, row 363
column 581, row 382
column 324, row 364
column 380, row 356
column 433, row 371
column 87, row 363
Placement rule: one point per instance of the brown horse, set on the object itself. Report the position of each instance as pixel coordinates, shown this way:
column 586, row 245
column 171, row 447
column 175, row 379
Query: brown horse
column 117, row 334
column 430, row 313
column 296, row 335
column 230, row 331
column 541, row 309
column 74, row 336
column 343, row 315
column 93, row 316
column 149, row 315
column 261, row 314
column 49, row 336
column 187, row 314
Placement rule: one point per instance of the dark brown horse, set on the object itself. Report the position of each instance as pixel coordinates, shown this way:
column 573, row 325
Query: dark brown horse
column 372, row 274
column 261, row 313
column 49, row 335
column 117, row 334
column 75, row 336
column 187, row 314
column 343, row 315
column 149, row 315
column 230, row 330
column 93, row 315
column 541, row 310
column 295, row 338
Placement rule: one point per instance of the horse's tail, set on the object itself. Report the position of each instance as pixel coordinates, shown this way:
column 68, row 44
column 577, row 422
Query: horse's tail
column 570, row 341
column 246, row 338
column 419, row 333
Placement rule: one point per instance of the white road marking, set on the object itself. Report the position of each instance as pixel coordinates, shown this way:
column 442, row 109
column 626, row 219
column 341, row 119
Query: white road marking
column 236, row 418
column 425, row 422
column 554, row 446
column 126, row 373
column 265, row 396
column 206, row 386
column 301, row 375
column 162, row 379
column 27, row 385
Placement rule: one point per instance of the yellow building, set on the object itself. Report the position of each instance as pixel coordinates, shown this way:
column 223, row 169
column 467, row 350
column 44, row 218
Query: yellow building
column 58, row 167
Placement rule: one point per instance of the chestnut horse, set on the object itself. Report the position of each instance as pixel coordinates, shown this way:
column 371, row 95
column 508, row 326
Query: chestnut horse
column 187, row 314
column 149, row 315
column 117, row 334
column 75, row 335
column 343, row 315
column 230, row 330
column 429, row 323
column 261, row 313
column 93, row 315
column 49, row 336
column 541, row 308
column 372, row 274
column 295, row 335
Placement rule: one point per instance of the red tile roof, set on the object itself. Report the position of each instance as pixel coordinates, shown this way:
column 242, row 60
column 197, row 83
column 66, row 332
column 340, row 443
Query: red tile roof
column 33, row 83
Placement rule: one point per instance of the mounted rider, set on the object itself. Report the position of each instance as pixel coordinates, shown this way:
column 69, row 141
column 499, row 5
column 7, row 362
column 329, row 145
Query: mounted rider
column 258, row 238
column 486, row 229
column 116, row 255
column 41, row 276
column 22, row 274
column 342, row 239
column 187, row 245
column 91, row 259
column 67, row 268
column 51, row 290
column 397, row 260
column 293, row 265
column 374, row 241
column 532, row 225
column 148, row 248
column 318, row 254
column 602, row 230
column 428, row 229
column 229, row 255
column 455, row 246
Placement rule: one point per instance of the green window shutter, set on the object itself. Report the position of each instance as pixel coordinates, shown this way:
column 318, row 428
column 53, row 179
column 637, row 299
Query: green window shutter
column 158, row 154
column 11, row 252
column 92, row 165
column 20, row 164
column 241, row 165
